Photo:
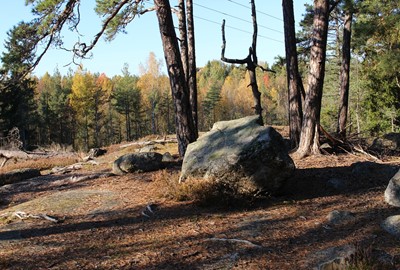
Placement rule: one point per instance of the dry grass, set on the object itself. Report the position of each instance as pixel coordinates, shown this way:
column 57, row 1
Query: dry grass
column 204, row 193
column 40, row 164
column 366, row 258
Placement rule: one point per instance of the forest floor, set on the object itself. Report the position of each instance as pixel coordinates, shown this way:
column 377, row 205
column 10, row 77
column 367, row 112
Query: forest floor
column 106, row 223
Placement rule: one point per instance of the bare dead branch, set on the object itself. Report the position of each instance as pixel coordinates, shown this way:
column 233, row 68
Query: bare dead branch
column 250, row 61
column 266, row 69
column 65, row 15
column 223, row 58
column 81, row 49
column 85, row 49
column 255, row 30
column 359, row 149
column 23, row 215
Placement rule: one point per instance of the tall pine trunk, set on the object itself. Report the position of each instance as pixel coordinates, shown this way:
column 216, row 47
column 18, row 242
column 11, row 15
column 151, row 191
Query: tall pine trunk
column 185, row 130
column 345, row 72
column 309, row 138
column 192, row 72
column 294, row 81
column 183, row 40
column 186, row 31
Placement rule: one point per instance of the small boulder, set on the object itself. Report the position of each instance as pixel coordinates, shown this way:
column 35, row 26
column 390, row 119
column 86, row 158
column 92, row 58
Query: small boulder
column 392, row 192
column 137, row 162
column 332, row 258
column 339, row 217
column 392, row 225
column 241, row 155
column 167, row 157
column 148, row 148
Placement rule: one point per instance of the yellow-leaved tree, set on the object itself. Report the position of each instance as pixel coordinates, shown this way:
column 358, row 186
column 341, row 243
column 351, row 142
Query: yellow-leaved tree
column 86, row 100
column 153, row 85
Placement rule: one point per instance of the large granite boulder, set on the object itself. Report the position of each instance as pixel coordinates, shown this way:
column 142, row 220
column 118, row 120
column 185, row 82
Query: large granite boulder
column 138, row 162
column 392, row 192
column 241, row 155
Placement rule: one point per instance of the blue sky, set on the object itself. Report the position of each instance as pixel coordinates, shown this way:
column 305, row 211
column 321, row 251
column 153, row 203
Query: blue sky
column 143, row 36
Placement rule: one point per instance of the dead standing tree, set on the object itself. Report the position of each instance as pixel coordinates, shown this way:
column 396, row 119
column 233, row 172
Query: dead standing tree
column 251, row 62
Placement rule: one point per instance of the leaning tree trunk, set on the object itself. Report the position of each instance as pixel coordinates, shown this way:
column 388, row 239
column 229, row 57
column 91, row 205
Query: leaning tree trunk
column 345, row 74
column 180, row 93
column 309, row 138
column 294, row 81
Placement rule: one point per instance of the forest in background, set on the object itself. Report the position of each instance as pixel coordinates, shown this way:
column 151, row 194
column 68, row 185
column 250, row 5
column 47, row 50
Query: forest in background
column 91, row 110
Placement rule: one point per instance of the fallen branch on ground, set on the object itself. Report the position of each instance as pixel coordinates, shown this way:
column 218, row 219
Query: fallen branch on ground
column 235, row 241
column 23, row 215
column 346, row 145
column 73, row 167
column 75, row 179
column 360, row 150
column 66, row 169
column 162, row 141
column 25, row 155
column 148, row 211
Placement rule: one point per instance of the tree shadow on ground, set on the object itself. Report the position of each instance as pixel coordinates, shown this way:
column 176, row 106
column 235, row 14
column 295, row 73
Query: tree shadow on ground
column 319, row 182
column 177, row 236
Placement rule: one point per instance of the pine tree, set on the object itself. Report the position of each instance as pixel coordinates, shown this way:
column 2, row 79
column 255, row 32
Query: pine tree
column 17, row 87
column 127, row 101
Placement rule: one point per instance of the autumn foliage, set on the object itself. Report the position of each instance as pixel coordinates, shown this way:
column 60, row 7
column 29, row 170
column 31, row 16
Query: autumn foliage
column 92, row 110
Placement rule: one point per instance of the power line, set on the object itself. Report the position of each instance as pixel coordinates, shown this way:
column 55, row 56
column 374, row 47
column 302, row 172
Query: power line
column 238, row 18
column 266, row 14
column 237, row 29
